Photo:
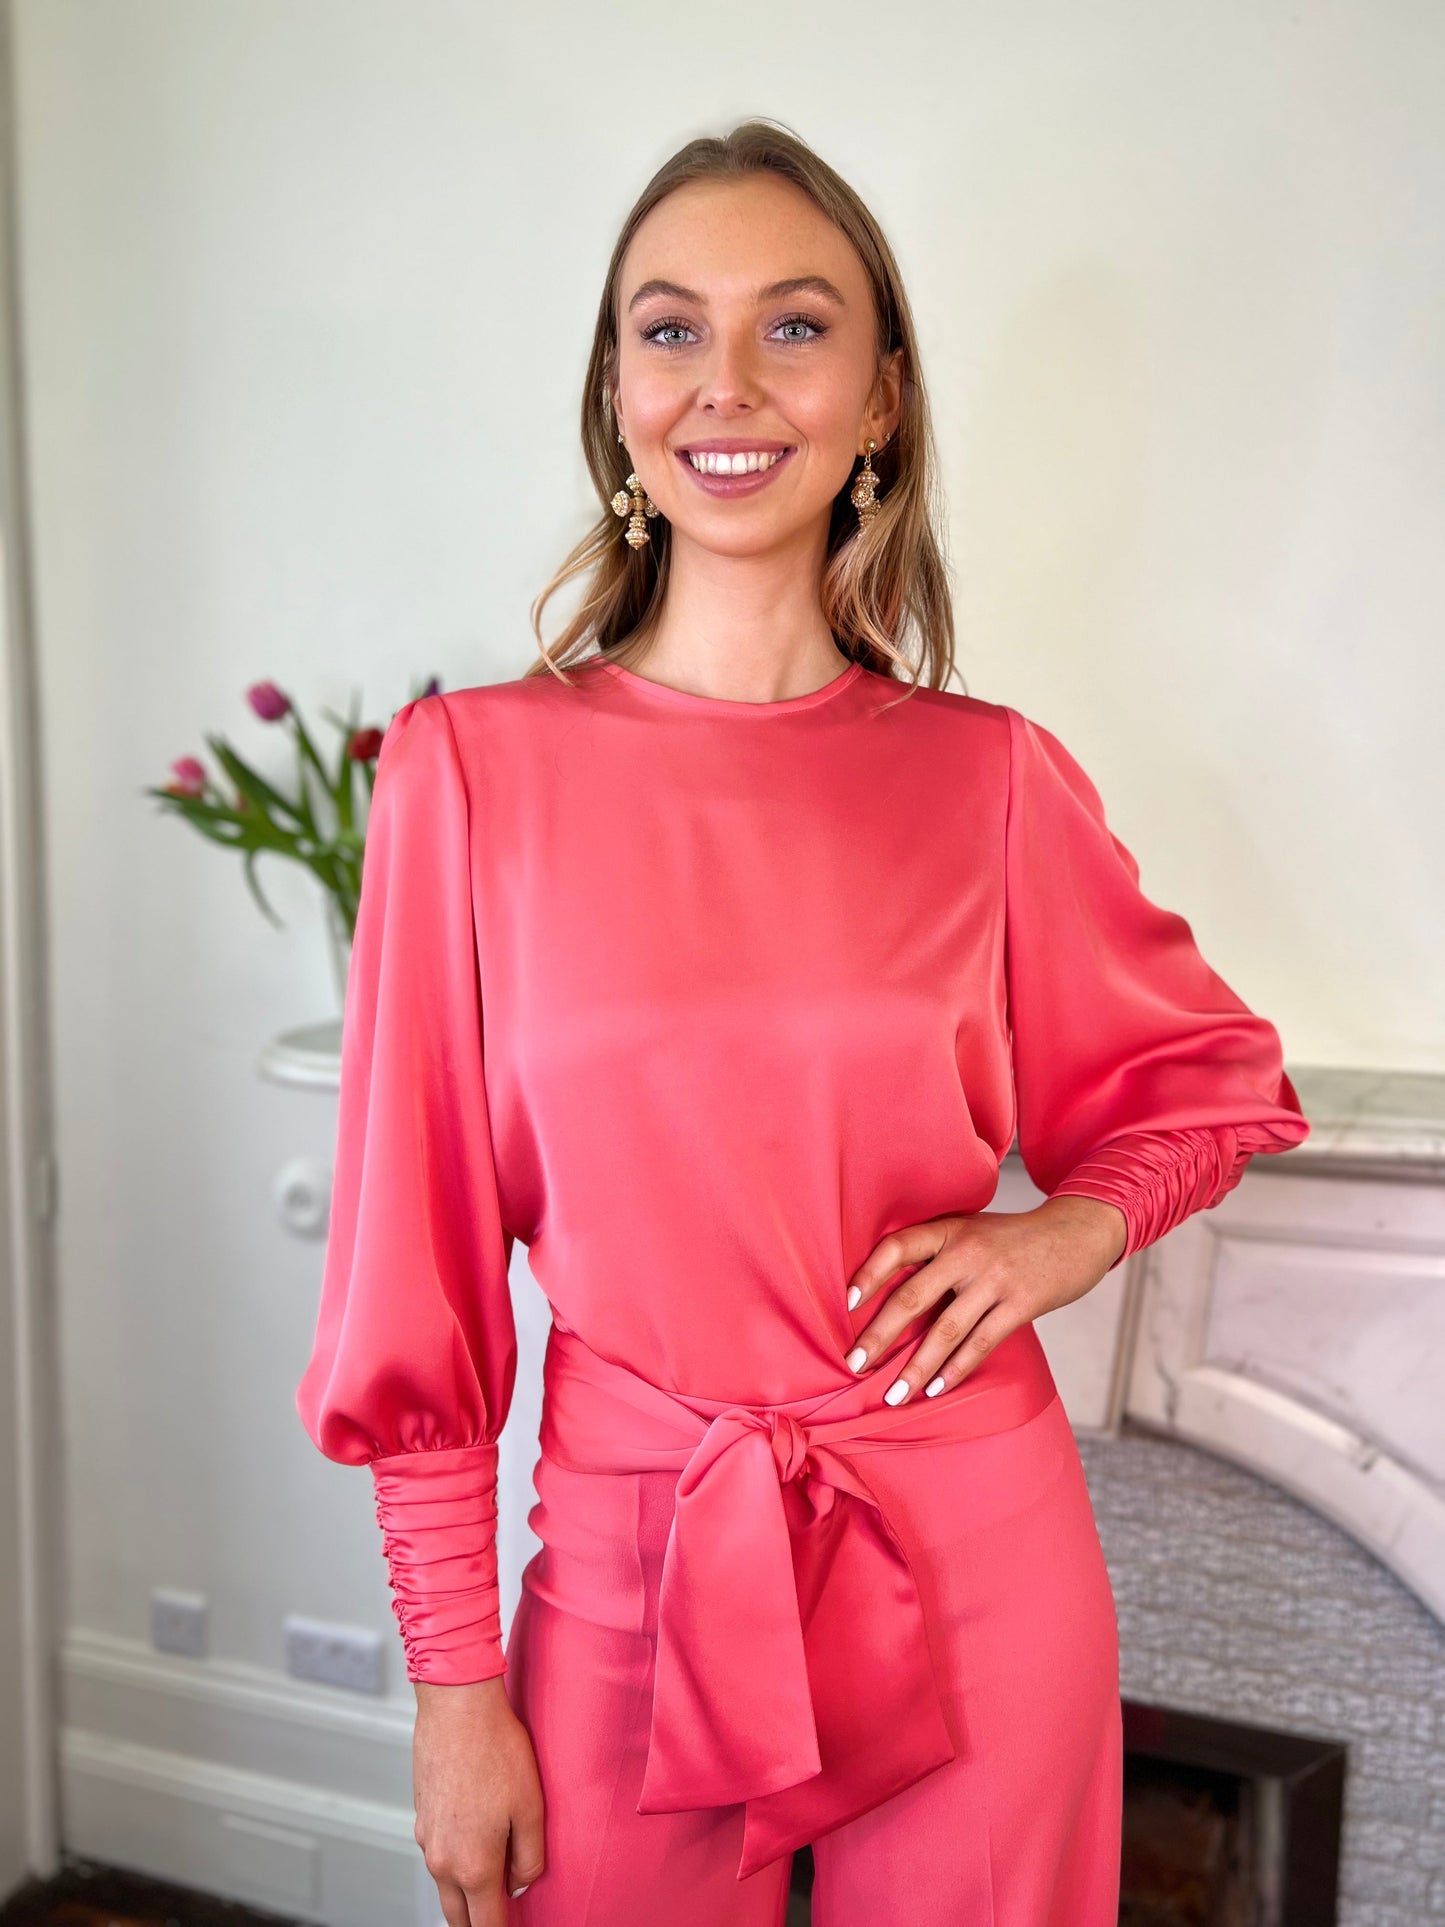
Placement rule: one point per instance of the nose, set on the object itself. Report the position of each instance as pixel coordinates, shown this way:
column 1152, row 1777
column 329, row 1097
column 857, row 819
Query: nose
column 730, row 381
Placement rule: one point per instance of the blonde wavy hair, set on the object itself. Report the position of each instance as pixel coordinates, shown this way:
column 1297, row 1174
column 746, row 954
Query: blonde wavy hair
column 885, row 590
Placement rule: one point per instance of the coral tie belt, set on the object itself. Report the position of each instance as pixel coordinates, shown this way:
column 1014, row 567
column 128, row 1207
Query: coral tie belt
column 792, row 1667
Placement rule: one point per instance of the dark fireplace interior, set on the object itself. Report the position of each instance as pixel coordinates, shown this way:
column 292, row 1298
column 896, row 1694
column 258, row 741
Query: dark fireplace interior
column 1225, row 1825
column 1228, row 1825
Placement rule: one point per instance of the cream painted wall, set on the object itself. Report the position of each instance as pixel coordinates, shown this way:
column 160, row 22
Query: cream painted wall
column 307, row 290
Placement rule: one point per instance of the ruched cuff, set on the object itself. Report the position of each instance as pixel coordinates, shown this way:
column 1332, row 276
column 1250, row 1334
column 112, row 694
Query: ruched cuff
column 438, row 1515
column 1159, row 1178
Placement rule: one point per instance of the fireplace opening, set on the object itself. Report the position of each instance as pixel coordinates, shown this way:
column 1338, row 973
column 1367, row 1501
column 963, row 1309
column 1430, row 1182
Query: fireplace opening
column 1226, row 1824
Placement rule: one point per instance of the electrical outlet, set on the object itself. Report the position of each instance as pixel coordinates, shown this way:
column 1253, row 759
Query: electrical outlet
column 178, row 1622
column 334, row 1655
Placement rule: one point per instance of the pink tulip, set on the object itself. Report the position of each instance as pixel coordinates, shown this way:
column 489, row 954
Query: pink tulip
column 269, row 702
column 188, row 777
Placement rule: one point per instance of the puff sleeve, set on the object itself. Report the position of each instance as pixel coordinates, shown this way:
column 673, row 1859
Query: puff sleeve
column 1140, row 1078
column 414, row 1356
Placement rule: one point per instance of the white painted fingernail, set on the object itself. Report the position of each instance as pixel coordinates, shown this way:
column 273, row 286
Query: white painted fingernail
column 520, row 1890
column 855, row 1359
column 933, row 1388
column 896, row 1392
column 854, row 1294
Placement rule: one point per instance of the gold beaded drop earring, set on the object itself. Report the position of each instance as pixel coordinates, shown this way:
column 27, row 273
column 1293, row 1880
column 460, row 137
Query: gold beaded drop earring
column 864, row 495
column 637, row 505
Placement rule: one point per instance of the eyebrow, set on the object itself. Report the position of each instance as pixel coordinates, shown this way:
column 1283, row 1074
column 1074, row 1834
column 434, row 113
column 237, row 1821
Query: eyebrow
column 796, row 284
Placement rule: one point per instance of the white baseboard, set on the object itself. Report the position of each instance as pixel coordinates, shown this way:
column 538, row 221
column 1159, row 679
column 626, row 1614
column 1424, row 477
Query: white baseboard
column 241, row 1782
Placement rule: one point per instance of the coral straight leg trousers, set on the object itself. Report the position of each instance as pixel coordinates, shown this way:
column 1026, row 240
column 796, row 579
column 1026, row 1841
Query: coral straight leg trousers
column 1021, row 1829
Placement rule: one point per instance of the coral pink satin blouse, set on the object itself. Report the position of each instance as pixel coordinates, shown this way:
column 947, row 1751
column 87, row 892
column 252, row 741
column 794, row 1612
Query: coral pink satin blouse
column 698, row 999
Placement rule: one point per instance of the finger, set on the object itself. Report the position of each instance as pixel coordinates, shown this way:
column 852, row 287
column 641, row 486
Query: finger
column 913, row 1367
column 526, row 1852
column 471, row 1893
column 912, row 1244
column 945, row 1358
column 904, row 1302
column 486, row 1902
column 455, row 1911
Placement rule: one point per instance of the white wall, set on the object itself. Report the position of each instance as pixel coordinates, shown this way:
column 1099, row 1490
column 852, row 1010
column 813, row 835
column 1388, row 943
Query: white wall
column 307, row 293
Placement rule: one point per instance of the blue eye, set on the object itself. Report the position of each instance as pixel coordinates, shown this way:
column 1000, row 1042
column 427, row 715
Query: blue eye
column 670, row 326
column 660, row 328
column 804, row 321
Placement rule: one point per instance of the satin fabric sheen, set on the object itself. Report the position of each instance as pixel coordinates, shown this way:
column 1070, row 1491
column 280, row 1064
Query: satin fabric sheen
column 698, row 999
column 792, row 1663
column 1021, row 1828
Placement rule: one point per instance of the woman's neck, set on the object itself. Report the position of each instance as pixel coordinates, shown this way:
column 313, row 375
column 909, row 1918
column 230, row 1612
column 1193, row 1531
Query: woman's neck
column 750, row 628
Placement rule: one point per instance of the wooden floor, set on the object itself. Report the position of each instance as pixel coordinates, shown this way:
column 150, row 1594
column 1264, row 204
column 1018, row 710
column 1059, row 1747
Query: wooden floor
column 85, row 1895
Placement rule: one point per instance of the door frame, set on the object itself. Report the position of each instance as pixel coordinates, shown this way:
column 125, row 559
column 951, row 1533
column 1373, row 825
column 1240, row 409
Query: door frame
column 29, row 1407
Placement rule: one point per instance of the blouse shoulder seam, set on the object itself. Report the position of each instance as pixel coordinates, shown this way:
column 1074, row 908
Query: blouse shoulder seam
column 1007, row 959
column 460, row 768
column 460, row 771
column 1008, row 810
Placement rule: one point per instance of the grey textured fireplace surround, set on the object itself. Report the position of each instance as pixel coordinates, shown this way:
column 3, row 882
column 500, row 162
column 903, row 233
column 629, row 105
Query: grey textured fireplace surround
column 1260, row 1406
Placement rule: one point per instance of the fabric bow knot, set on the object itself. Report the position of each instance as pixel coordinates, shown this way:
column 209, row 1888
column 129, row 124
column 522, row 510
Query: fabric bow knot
column 792, row 1668
column 765, row 1674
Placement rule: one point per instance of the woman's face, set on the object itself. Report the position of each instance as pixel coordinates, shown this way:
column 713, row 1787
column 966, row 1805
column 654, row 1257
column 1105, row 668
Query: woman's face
column 746, row 329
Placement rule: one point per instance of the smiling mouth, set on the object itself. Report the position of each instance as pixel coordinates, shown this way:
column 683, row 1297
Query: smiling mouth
column 739, row 461
column 734, row 471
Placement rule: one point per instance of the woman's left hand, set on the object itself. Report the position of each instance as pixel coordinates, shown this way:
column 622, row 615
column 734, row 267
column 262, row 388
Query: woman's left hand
column 997, row 1270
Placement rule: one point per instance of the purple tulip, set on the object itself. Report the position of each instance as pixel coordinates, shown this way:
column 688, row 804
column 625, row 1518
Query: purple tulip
column 188, row 777
column 269, row 702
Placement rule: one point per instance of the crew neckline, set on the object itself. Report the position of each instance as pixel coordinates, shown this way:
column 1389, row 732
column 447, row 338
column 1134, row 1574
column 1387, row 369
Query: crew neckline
column 733, row 705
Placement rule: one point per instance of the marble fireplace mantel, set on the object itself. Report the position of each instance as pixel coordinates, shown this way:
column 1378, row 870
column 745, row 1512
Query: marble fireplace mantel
column 1299, row 1327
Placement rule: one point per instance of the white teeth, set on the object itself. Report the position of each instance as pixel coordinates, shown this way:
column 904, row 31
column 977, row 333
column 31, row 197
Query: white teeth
column 743, row 462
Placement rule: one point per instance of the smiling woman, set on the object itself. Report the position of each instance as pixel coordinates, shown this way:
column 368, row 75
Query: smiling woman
column 719, row 959
column 806, row 387
column 753, row 304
